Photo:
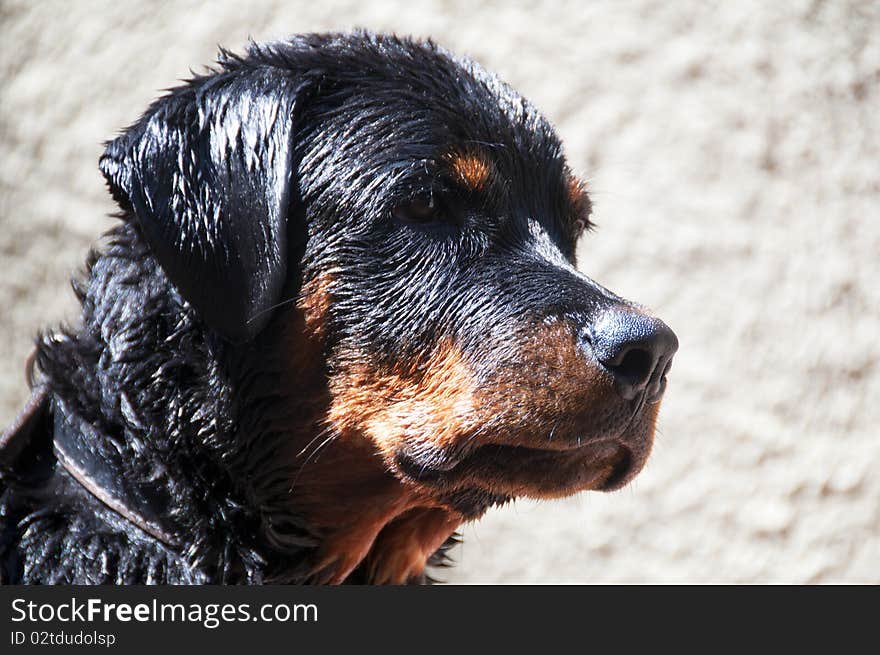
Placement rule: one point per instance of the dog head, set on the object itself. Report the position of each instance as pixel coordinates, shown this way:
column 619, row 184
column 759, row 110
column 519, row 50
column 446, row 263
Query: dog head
column 423, row 215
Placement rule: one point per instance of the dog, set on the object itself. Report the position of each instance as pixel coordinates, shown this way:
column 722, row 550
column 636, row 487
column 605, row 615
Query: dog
column 339, row 316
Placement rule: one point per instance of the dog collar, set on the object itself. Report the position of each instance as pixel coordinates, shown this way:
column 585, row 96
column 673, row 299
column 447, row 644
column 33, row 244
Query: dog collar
column 97, row 464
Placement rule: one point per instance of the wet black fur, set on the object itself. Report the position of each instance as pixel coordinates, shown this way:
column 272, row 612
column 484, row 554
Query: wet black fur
column 181, row 375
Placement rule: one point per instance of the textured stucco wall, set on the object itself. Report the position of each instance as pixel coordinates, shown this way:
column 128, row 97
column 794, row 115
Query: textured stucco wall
column 732, row 151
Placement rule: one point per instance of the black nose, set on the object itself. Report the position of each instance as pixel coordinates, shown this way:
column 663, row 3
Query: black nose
column 636, row 349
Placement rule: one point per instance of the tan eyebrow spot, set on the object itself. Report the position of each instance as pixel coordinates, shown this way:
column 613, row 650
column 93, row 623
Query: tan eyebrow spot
column 577, row 191
column 579, row 199
column 314, row 302
column 470, row 167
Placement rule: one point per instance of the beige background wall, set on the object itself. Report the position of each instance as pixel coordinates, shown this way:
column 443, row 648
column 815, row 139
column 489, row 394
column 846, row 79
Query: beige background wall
column 732, row 151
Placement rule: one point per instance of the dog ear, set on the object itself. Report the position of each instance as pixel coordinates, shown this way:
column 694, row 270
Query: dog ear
column 207, row 172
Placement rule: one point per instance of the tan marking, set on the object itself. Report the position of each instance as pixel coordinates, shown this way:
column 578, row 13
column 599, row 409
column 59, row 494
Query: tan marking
column 471, row 168
column 576, row 189
column 434, row 402
column 350, row 497
column 402, row 549
column 546, row 382
column 360, row 517
column 314, row 303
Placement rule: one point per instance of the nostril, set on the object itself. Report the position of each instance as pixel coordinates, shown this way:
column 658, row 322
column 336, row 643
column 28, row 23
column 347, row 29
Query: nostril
column 632, row 369
column 635, row 367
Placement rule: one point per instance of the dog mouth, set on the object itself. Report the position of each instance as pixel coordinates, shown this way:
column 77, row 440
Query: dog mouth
column 525, row 471
column 564, row 467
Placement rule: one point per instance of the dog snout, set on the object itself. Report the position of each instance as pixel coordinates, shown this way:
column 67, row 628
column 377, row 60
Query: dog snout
column 635, row 348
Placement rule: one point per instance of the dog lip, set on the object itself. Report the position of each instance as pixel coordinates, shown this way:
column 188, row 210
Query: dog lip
column 613, row 458
column 621, row 471
column 428, row 469
column 511, row 455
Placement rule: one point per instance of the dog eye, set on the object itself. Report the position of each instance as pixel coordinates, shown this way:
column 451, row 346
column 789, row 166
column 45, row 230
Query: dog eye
column 417, row 210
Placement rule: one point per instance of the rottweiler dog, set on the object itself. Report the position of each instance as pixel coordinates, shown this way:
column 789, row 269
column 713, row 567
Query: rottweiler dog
column 339, row 316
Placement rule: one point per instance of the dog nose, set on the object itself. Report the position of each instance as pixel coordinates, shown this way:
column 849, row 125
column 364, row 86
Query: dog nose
column 636, row 349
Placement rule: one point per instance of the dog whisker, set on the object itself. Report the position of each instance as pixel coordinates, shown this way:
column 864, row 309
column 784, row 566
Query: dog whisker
column 271, row 309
